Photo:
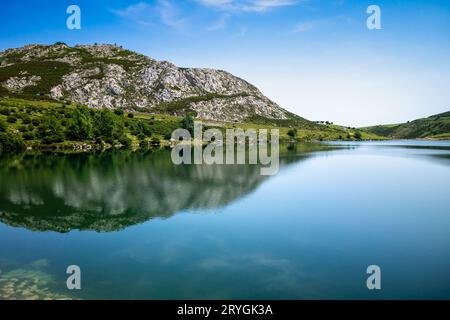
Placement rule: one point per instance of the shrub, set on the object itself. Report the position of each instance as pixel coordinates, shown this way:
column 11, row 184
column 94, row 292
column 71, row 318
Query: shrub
column 156, row 141
column 357, row 135
column 188, row 123
column 118, row 112
column 125, row 141
column 36, row 122
column 141, row 136
column 131, row 115
column 29, row 135
column 292, row 133
column 26, row 119
column 11, row 118
column 5, row 111
column 143, row 144
column 3, row 126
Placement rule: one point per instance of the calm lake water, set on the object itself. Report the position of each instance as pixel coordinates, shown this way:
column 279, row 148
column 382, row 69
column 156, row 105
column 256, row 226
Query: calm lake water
column 140, row 227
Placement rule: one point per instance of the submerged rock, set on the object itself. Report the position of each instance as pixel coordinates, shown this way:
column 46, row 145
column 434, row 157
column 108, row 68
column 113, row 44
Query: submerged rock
column 26, row 284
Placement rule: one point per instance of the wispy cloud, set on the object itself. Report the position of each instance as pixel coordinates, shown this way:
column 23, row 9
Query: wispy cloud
column 143, row 13
column 219, row 24
column 247, row 5
column 133, row 10
column 241, row 33
column 305, row 26
column 170, row 14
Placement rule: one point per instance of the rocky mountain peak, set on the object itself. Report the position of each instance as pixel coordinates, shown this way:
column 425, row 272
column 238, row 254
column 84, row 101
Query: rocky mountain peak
column 109, row 76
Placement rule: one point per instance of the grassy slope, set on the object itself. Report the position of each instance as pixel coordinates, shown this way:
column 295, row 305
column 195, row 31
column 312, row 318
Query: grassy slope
column 31, row 113
column 434, row 127
column 37, row 110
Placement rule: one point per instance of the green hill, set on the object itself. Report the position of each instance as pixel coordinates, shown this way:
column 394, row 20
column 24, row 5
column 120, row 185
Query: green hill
column 434, row 127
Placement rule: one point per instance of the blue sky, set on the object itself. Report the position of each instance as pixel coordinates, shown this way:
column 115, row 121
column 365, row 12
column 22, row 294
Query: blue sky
column 315, row 58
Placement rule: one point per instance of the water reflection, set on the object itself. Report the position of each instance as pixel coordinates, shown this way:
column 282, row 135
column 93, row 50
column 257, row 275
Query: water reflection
column 112, row 190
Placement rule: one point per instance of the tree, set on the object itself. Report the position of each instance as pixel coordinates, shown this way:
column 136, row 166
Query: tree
column 357, row 135
column 188, row 123
column 292, row 133
column 79, row 125
column 51, row 130
column 144, row 128
column 107, row 125
column 11, row 142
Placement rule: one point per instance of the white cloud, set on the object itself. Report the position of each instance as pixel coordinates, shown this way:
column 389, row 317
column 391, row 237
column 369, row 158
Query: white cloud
column 247, row 5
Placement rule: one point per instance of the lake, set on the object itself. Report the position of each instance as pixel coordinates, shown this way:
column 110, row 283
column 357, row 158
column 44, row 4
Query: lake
column 140, row 227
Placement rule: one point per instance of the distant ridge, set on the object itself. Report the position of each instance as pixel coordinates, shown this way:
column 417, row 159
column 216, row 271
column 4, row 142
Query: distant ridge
column 434, row 127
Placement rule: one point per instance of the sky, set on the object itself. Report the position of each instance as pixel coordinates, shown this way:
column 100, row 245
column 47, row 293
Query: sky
column 316, row 58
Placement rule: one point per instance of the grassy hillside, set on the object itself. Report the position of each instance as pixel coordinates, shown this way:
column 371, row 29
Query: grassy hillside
column 434, row 127
column 48, row 124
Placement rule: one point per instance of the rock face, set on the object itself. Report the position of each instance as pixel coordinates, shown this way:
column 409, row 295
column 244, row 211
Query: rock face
column 107, row 76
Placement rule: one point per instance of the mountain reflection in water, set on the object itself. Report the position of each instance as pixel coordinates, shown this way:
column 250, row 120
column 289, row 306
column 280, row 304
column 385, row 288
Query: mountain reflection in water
column 112, row 190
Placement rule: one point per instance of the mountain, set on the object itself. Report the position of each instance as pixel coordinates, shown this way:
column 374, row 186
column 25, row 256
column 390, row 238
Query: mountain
column 108, row 76
column 433, row 127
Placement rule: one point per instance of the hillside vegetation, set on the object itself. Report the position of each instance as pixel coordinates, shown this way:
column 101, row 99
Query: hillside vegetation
column 433, row 127
column 53, row 125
